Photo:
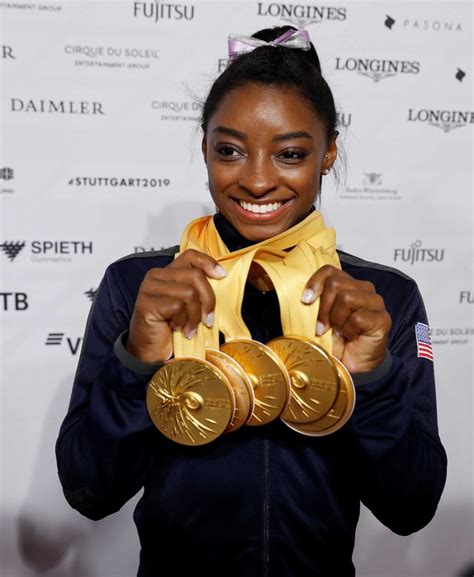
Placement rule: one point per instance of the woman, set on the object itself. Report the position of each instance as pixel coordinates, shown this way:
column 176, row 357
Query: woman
column 263, row 500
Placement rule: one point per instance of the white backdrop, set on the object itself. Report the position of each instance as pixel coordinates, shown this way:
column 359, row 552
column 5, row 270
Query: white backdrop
column 99, row 157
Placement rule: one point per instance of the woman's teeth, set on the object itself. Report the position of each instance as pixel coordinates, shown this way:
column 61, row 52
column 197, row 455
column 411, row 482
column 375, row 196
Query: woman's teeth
column 260, row 208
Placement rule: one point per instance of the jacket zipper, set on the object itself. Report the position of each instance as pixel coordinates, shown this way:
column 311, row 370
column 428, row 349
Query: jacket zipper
column 266, row 507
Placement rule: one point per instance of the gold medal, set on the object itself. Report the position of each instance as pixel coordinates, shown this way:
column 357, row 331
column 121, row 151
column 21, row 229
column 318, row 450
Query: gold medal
column 269, row 377
column 241, row 386
column 314, row 378
column 190, row 401
column 339, row 414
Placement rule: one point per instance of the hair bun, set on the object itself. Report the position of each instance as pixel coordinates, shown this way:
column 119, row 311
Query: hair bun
column 270, row 34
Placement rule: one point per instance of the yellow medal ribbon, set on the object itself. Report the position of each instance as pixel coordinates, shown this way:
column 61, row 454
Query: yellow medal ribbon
column 202, row 235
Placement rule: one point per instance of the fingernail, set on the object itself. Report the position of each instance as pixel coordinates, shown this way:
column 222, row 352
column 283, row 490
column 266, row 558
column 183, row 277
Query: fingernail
column 220, row 271
column 308, row 296
column 319, row 328
column 209, row 320
column 191, row 334
column 336, row 332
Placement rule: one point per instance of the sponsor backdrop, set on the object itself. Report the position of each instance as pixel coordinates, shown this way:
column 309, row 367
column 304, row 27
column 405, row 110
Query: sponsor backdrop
column 100, row 157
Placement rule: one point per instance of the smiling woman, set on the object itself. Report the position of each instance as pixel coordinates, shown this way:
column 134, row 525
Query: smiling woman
column 280, row 496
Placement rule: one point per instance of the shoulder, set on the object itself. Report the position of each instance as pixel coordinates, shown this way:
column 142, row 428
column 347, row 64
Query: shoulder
column 391, row 283
column 365, row 269
column 127, row 273
column 144, row 261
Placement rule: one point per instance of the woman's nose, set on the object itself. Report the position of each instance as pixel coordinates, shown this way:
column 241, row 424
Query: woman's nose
column 258, row 176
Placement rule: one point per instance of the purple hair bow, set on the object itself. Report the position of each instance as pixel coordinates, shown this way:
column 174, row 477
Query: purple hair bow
column 238, row 45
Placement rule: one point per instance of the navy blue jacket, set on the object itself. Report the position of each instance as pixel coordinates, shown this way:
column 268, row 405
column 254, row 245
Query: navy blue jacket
column 262, row 501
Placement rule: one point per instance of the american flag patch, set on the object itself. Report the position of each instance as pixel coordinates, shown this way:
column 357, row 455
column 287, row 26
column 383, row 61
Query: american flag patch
column 423, row 341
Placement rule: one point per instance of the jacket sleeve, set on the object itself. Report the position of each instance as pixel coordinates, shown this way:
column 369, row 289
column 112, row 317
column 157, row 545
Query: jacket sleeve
column 401, row 463
column 106, row 443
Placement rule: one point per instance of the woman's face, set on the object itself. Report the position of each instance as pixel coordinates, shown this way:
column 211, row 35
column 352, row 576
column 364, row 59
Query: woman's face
column 265, row 150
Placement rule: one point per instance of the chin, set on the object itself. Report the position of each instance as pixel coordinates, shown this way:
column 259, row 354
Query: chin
column 259, row 233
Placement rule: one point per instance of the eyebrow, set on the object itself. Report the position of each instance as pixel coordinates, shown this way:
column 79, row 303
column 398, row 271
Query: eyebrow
column 230, row 132
column 288, row 135
column 277, row 137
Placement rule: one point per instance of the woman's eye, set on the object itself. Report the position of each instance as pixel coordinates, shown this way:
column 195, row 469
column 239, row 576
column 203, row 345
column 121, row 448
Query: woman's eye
column 227, row 150
column 293, row 155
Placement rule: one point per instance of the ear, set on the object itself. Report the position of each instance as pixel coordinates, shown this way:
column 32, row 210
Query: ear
column 331, row 153
column 204, row 148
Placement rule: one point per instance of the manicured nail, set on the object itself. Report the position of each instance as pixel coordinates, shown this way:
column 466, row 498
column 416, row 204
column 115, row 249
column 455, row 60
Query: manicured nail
column 220, row 271
column 308, row 296
column 209, row 320
column 191, row 334
column 319, row 328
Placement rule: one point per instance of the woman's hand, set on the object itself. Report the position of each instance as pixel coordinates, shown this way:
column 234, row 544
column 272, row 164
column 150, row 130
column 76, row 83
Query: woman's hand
column 177, row 297
column 355, row 312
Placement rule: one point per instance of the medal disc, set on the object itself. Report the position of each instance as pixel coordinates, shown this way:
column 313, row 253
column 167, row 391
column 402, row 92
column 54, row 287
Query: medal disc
column 269, row 377
column 240, row 383
column 339, row 414
column 190, row 401
column 314, row 378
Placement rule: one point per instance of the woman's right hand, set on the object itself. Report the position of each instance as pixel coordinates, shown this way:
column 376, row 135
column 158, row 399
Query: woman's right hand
column 177, row 297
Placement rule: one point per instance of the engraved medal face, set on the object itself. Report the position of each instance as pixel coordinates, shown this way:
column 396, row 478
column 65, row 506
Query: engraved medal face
column 314, row 378
column 268, row 375
column 241, row 386
column 339, row 414
column 190, row 401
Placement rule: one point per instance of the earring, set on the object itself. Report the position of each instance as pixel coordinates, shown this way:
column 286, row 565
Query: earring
column 326, row 171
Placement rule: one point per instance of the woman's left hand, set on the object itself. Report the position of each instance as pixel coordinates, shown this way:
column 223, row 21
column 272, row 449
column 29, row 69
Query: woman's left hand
column 354, row 310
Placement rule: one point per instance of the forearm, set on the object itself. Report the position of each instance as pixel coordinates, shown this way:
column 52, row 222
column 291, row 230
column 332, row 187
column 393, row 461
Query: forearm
column 400, row 460
column 105, row 448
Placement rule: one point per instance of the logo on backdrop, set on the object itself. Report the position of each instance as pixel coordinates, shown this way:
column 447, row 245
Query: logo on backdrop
column 344, row 119
column 39, row 106
column 466, row 297
column 31, row 6
column 12, row 248
column 178, row 109
column 452, row 335
column 156, row 11
column 14, row 301
column 222, row 64
column 60, row 339
column 48, row 250
column 417, row 253
column 138, row 249
column 117, row 182
column 370, row 187
column 6, row 52
column 447, row 120
column 377, row 69
column 6, row 174
column 389, row 22
column 112, row 57
column 457, row 335
column 373, row 178
column 460, row 74
column 423, row 25
column 301, row 15
column 91, row 294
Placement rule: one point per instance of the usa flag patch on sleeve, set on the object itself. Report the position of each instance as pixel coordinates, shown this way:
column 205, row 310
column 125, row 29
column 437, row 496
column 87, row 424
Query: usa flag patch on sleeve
column 423, row 341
